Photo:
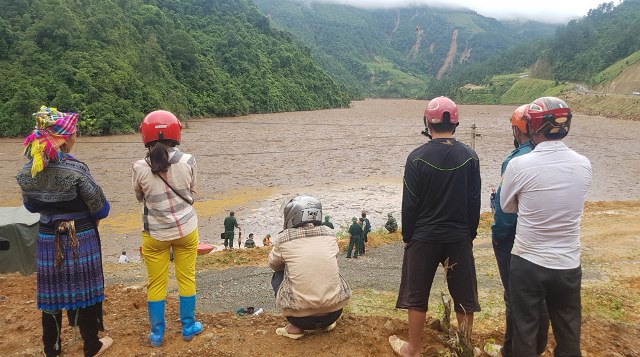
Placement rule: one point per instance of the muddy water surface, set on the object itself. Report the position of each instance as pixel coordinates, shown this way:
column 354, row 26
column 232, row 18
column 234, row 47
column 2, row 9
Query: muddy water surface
column 351, row 159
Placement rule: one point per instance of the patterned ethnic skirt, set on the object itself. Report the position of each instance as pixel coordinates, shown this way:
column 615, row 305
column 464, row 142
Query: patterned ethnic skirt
column 69, row 272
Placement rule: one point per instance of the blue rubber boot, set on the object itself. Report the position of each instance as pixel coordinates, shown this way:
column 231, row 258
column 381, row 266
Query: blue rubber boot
column 190, row 327
column 156, row 318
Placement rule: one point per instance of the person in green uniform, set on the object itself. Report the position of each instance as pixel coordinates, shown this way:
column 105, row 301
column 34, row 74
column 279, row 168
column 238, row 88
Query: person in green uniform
column 326, row 222
column 230, row 223
column 356, row 235
column 392, row 224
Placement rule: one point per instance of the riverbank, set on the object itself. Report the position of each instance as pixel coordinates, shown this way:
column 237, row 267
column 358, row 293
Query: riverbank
column 610, row 299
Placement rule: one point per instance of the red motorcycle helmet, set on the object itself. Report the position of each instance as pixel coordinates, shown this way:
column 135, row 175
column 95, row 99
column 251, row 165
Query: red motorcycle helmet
column 160, row 125
column 434, row 113
column 517, row 118
column 548, row 115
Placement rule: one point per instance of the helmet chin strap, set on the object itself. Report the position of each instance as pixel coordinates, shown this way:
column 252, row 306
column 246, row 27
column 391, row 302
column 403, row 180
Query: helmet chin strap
column 425, row 132
column 530, row 136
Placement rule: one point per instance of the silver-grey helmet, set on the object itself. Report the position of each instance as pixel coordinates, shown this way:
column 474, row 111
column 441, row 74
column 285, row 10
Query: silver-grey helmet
column 300, row 210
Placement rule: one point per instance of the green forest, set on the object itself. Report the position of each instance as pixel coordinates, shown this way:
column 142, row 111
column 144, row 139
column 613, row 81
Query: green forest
column 591, row 50
column 395, row 52
column 373, row 52
column 115, row 60
column 585, row 47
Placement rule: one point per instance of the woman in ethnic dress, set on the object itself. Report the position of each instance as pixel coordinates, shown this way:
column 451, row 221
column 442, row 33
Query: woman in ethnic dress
column 69, row 259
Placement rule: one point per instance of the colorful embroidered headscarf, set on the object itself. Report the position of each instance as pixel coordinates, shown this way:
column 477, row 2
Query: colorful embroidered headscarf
column 53, row 128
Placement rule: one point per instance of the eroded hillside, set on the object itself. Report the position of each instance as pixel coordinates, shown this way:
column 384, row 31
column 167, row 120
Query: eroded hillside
column 628, row 82
column 448, row 61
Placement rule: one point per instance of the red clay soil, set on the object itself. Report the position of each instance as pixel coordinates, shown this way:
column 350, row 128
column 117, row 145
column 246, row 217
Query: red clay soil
column 227, row 334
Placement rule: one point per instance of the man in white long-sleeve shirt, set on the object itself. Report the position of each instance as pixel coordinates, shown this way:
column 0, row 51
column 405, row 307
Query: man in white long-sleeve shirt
column 547, row 188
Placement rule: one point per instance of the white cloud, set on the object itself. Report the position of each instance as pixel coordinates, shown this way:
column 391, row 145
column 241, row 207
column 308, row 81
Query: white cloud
column 550, row 11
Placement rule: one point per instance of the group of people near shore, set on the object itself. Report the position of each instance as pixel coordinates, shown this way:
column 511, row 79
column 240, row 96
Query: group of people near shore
column 535, row 233
column 358, row 233
column 230, row 224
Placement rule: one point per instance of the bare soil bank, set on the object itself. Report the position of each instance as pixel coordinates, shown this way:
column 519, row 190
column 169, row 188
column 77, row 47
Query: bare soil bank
column 623, row 106
column 610, row 299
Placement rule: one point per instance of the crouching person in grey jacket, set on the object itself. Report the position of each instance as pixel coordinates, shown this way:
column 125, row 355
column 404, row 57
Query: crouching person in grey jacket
column 308, row 286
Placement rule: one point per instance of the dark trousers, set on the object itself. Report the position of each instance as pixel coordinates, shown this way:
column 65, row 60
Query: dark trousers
column 306, row 322
column 363, row 242
column 228, row 239
column 529, row 286
column 89, row 321
column 354, row 244
column 503, row 258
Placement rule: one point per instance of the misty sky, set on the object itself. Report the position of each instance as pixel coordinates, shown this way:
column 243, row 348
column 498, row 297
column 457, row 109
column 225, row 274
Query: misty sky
column 550, row 11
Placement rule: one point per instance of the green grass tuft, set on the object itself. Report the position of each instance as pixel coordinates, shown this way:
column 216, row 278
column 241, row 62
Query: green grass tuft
column 526, row 90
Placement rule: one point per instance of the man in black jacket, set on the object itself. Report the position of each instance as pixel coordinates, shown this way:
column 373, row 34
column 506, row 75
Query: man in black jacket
column 440, row 215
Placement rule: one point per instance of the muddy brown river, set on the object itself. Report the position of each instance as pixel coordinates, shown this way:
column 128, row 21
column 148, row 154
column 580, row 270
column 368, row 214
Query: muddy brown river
column 352, row 159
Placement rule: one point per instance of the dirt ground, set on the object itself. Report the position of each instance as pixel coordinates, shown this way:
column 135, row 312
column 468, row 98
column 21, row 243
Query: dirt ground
column 352, row 159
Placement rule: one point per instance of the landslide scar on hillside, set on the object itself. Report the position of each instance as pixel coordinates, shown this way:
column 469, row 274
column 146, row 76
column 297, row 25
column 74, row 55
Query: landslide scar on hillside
column 448, row 61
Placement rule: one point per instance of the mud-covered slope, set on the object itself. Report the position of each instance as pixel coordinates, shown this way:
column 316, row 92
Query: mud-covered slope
column 628, row 82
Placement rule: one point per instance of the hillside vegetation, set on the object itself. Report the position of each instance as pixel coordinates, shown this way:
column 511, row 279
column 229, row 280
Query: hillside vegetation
column 400, row 53
column 621, row 78
column 600, row 50
column 609, row 105
column 510, row 89
column 395, row 52
column 114, row 60
column 612, row 72
column 583, row 48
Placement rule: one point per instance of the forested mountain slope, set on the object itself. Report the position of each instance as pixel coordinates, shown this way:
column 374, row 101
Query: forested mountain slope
column 600, row 51
column 114, row 60
column 395, row 52
column 585, row 47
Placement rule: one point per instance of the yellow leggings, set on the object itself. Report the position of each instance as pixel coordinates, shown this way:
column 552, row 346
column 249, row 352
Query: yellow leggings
column 156, row 258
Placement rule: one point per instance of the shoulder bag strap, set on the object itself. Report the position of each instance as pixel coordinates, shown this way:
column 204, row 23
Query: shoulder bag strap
column 174, row 190
column 171, row 187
